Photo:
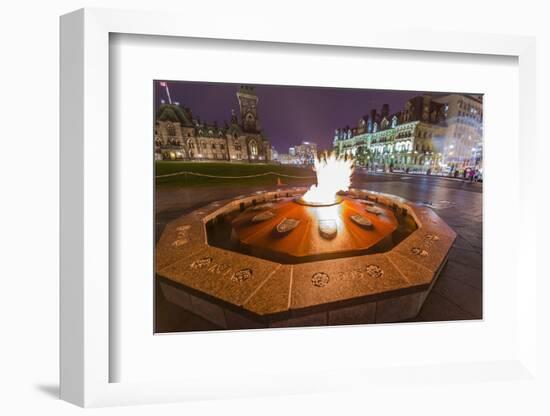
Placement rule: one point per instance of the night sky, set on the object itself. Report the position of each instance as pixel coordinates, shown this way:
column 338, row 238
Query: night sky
column 288, row 115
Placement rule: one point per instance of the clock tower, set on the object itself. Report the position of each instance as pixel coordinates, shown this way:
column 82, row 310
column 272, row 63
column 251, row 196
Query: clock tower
column 248, row 103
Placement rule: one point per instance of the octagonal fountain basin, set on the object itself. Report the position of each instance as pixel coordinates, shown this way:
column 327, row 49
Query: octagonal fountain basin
column 290, row 231
column 270, row 260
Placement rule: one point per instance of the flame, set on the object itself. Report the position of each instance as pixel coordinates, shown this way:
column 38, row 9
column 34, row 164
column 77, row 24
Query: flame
column 333, row 175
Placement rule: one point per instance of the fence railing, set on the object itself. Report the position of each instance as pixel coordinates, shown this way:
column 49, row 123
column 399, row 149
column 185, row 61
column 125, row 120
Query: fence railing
column 234, row 177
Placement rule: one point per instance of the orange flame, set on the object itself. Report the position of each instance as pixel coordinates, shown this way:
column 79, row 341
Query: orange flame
column 333, row 175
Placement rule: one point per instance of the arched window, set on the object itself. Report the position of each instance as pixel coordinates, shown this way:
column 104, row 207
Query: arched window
column 249, row 121
column 170, row 129
column 253, row 148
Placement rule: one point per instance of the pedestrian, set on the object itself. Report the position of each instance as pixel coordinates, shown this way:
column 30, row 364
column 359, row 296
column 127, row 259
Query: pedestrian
column 477, row 176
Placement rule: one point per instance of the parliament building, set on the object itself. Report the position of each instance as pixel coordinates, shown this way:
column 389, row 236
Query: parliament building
column 439, row 131
column 179, row 135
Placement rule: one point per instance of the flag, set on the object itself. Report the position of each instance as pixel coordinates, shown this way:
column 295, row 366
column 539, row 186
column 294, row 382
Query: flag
column 163, row 84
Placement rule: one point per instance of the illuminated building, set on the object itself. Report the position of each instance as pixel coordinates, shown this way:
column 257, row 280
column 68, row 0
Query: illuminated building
column 440, row 132
column 288, row 159
column 463, row 140
column 179, row 135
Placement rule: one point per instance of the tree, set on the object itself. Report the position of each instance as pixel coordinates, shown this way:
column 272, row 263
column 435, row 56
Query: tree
column 360, row 156
column 363, row 156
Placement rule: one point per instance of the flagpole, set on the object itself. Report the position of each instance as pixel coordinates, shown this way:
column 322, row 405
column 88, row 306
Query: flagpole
column 165, row 85
column 168, row 93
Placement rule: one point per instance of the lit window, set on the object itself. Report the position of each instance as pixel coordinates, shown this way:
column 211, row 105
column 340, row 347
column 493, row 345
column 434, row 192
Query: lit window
column 170, row 129
column 253, row 148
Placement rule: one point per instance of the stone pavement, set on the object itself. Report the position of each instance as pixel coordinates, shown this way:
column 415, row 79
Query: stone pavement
column 457, row 295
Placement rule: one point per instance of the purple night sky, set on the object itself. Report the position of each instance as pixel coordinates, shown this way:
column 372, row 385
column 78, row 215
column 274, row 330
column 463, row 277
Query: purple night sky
column 289, row 115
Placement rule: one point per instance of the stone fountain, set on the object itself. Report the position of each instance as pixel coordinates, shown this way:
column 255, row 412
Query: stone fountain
column 297, row 257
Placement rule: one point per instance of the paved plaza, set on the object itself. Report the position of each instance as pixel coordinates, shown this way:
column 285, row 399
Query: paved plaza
column 457, row 295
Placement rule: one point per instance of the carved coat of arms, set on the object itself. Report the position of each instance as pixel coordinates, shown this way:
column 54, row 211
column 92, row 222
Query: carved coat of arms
column 328, row 228
column 362, row 221
column 287, row 225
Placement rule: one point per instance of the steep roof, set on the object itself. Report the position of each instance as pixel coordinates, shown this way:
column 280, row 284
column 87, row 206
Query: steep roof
column 174, row 113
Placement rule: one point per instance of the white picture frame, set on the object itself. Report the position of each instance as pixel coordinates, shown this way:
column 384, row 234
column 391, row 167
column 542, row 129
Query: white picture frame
column 85, row 212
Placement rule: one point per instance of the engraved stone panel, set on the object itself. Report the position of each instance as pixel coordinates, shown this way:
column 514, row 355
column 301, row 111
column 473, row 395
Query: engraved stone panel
column 425, row 248
column 414, row 272
column 349, row 278
column 274, row 295
column 229, row 276
column 180, row 238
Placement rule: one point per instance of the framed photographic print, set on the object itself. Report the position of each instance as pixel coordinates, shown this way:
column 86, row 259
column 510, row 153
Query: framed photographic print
column 252, row 235
column 291, row 211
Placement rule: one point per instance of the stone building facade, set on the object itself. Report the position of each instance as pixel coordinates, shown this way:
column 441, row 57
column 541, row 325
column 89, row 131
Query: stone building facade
column 429, row 132
column 179, row 135
column 463, row 141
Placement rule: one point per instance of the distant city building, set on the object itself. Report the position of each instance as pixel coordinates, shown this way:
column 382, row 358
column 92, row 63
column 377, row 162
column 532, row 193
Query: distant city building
column 288, row 159
column 431, row 131
column 181, row 136
column 292, row 151
column 274, row 154
column 462, row 144
column 306, row 152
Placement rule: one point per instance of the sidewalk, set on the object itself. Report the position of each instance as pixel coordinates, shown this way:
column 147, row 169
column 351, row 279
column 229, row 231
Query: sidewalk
column 416, row 175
